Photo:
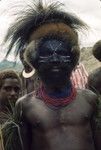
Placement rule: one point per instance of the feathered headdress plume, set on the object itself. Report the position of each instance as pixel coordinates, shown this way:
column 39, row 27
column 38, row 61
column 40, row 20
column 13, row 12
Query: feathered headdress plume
column 34, row 17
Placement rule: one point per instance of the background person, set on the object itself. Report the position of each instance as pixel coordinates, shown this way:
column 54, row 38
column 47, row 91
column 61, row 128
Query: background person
column 10, row 89
column 94, row 79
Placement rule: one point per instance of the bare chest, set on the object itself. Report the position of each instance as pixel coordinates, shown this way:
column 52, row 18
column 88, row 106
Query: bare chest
column 76, row 113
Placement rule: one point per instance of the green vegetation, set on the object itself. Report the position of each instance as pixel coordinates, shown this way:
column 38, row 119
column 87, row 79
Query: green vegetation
column 5, row 64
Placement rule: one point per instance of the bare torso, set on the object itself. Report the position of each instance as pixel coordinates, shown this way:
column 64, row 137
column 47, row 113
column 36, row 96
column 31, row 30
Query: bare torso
column 66, row 128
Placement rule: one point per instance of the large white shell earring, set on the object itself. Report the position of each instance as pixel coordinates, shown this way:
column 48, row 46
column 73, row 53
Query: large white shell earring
column 28, row 75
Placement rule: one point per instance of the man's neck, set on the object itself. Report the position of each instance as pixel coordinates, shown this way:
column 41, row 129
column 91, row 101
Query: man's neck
column 58, row 91
column 57, row 98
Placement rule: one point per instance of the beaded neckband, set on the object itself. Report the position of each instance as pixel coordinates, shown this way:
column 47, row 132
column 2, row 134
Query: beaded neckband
column 56, row 102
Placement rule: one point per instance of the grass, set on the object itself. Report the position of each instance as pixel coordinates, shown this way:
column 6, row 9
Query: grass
column 1, row 139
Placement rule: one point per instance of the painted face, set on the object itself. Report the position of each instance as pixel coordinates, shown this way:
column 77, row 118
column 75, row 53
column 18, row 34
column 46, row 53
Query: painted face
column 9, row 92
column 53, row 51
column 54, row 62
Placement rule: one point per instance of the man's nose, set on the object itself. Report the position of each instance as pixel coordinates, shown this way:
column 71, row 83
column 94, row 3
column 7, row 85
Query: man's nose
column 13, row 92
column 54, row 58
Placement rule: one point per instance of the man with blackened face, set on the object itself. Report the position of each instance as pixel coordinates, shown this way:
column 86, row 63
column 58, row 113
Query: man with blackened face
column 55, row 116
column 53, row 60
column 54, row 56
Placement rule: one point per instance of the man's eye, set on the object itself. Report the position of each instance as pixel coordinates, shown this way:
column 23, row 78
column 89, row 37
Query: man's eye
column 45, row 53
column 7, row 88
column 17, row 89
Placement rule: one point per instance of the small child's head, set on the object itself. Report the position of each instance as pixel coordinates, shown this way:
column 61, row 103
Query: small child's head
column 97, row 50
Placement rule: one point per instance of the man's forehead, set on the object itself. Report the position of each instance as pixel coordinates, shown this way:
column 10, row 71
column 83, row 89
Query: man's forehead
column 11, row 82
column 52, row 44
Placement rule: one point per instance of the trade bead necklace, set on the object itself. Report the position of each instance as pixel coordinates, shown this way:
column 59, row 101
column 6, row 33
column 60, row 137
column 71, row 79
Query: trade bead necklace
column 56, row 102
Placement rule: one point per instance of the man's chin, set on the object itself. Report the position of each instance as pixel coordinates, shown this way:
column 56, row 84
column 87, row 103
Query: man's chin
column 56, row 81
column 55, row 77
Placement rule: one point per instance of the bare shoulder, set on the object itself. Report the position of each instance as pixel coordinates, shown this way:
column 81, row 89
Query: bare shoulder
column 25, row 100
column 95, row 74
column 89, row 96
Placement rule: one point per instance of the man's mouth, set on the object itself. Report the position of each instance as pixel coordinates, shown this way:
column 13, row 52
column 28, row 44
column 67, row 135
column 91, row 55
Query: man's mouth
column 55, row 69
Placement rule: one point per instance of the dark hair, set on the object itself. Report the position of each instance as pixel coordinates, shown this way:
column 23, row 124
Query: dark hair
column 35, row 16
column 97, row 50
column 9, row 74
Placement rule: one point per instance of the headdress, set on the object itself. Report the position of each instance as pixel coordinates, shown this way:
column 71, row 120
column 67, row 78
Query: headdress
column 38, row 21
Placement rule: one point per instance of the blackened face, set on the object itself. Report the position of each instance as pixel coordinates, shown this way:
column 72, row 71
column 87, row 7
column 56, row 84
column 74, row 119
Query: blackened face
column 54, row 62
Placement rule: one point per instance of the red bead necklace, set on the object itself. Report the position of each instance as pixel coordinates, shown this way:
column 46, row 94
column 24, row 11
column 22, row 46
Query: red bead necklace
column 56, row 102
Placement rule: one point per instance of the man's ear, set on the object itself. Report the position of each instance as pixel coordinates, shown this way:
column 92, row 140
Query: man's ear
column 28, row 69
column 21, row 55
column 28, row 74
column 31, row 55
